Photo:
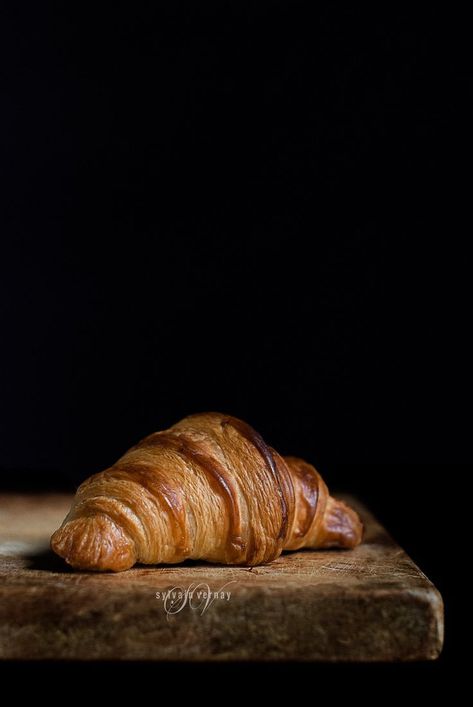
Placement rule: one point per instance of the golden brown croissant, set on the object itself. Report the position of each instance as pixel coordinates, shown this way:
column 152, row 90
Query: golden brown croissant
column 208, row 488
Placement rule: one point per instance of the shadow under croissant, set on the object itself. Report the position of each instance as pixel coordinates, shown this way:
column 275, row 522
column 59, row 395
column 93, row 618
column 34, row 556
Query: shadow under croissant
column 48, row 561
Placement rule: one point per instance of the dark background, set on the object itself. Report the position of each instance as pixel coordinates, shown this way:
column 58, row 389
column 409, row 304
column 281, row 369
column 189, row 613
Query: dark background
column 240, row 207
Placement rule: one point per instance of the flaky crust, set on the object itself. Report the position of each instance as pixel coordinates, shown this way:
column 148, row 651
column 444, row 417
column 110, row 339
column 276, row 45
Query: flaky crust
column 208, row 488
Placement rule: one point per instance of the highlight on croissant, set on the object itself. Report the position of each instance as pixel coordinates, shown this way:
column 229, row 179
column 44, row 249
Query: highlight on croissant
column 208, row 488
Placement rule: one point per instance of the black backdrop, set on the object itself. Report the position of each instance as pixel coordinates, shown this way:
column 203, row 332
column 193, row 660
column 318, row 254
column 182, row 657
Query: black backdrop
column 233, row 206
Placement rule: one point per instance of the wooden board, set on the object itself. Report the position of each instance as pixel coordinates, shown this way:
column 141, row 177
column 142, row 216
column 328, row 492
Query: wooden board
column 369, row 604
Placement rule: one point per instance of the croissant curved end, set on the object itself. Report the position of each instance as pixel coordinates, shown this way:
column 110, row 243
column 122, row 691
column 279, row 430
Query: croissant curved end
column 94, row 542
column 342, row 526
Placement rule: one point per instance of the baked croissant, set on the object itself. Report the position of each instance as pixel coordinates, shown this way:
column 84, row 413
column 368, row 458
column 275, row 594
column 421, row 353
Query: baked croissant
column 208, row 488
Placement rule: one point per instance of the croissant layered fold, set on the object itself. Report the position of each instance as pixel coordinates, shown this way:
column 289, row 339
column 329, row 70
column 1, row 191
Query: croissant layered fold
column 209, row 488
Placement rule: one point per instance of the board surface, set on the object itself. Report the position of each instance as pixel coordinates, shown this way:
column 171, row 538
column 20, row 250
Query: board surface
column 369, row 604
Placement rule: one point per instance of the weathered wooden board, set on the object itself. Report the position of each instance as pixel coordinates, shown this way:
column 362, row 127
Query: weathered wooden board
column 369, row 604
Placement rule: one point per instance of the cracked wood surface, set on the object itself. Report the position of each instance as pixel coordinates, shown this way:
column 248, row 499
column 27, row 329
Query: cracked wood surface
column 369, row 604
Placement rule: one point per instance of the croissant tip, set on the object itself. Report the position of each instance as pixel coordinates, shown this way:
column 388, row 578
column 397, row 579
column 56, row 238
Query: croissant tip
column 94, row 543
column 343, row 526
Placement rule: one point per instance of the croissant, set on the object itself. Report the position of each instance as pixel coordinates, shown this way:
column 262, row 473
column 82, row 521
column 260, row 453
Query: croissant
column 208, row 488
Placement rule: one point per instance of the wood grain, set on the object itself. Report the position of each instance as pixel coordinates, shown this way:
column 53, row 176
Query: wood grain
column 369, row 604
